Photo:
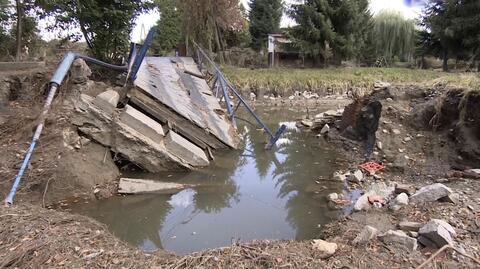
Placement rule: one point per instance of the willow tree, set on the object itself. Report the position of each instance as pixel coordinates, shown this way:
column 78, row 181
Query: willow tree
column 394, row 36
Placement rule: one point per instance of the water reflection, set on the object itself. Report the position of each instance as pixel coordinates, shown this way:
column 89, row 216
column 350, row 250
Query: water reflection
column 247, row 194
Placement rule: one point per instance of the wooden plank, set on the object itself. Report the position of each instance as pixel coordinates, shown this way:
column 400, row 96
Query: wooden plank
column 179, row 124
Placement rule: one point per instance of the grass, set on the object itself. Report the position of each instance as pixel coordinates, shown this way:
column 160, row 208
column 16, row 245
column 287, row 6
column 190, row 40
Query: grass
column 338, row 80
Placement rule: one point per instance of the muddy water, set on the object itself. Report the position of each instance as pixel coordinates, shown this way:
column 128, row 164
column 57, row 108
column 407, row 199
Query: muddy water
column 247, row 194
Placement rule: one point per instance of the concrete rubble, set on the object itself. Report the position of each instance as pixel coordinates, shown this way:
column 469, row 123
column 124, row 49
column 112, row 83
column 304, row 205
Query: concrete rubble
column 431, row 193
column 136, row 186
column 399, row 239
column 436, row 233
column 154, row 143
column 368, row 233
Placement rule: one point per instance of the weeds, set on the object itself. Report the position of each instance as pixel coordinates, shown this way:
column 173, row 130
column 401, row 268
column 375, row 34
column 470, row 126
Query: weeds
column 337, row 80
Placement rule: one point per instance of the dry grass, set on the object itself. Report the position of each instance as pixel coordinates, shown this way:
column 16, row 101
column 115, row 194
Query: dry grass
column 338, row 80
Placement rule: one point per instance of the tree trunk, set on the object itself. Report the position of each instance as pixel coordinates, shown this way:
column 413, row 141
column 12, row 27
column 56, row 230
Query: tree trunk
column 445, row 60
column 19, row 31
column 217, row 41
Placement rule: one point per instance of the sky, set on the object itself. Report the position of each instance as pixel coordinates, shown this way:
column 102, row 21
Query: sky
column 409, row 8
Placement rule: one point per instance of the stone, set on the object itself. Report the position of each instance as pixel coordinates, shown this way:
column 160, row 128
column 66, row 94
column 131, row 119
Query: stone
column 401, row 199
column 404, row 188
column 453, row 198
column 389, row 99
column 362, row 203
column 136, row 186
column 142, row 123
column 80, row 72
column 339, row 176
column 407, row 139
column 332, row 197
column 325, row 129
column 379, row 145
column 396, row 131
column 413, row 234
column 356, row 177
column 410, row 226
column 327, row 248
column 430, row 193
column 381, row 85
column 436, row 233
column 476, row 171
column 107, row 101
column 185, row 150
column 368, row 233
column 400, row 239
column 307, row 123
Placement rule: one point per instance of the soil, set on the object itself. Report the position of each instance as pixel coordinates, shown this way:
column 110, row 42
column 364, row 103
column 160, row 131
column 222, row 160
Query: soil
column 441, row 122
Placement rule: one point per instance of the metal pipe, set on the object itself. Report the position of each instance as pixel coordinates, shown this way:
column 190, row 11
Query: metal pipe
column 36, row 136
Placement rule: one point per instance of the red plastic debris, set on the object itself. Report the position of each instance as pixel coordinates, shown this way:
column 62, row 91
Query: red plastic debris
column 372, row 167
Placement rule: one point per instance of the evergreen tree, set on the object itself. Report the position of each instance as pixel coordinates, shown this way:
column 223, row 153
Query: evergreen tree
column 327, row 28
column 169, row 27
column 265, row 17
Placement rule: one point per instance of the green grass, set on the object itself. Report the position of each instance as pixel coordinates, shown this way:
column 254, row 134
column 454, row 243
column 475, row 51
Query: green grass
column 284, row 81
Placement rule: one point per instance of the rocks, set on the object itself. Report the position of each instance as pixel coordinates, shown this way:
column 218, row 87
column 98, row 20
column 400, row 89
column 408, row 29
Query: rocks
column 401, row 199
column 325, row 129
column 404, row 188
column 430, row 193
column 367, row 234
column 332, row 197
column 399, row 239
column 396, row 131
column 410, row 226
column 307, row 123
column 356, row 177
column 379, row 189
column 436, row 233
column 327, row 248
column 453, row 198
column 379, row 145
column 339, row 176
column 80, row 72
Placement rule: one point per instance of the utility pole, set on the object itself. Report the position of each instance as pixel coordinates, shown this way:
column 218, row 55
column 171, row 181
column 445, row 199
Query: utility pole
column 19, row 30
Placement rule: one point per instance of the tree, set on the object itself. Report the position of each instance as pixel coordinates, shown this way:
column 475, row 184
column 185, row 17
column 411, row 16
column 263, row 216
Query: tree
column 439, row 18
column 329, row 28
column 394, row 36
column 265, row 17
column 169, row 27
column 105, row 24
column 207, row 20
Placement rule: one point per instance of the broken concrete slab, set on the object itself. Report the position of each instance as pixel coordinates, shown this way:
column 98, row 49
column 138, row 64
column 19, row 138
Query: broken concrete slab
column 168, row 94
column 438, row 232
column 367, row 234
column 142, row 123
column 144, row 152
column 107, row 101
column 136, row 186
column 399, row 239
column 430, row 193
column 185, row 150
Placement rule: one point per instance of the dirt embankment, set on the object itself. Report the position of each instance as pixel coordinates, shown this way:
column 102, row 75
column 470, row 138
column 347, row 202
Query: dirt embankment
column 427, row 135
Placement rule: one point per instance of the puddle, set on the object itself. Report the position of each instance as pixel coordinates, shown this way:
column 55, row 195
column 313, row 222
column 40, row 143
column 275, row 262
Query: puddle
column 247, row 194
